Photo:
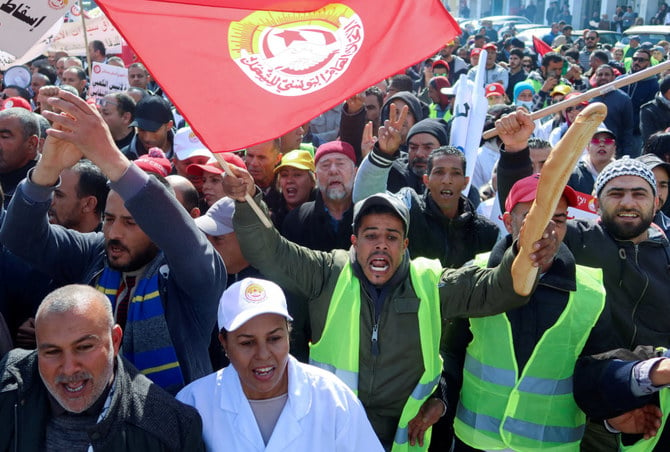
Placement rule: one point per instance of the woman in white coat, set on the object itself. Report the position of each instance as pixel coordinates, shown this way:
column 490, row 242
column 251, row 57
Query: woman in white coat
column 266, row 400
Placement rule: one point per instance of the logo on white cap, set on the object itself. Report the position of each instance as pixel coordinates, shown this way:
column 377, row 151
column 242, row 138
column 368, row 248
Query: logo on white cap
column 254, row 293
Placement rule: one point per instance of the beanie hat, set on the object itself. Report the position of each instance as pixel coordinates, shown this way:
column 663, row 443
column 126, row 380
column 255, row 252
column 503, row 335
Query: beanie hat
column 415, row 105
column 522, row 86
column 625, row 166
column 434, row 127
column 341, row 147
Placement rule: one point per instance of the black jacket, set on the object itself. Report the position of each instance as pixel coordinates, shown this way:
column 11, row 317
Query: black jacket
column 636, row 276
column 141, row 416
column 452, row 241
column 654, row 117
column 310, row 225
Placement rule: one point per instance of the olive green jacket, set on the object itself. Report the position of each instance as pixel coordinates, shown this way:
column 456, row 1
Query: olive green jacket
column 386, row 379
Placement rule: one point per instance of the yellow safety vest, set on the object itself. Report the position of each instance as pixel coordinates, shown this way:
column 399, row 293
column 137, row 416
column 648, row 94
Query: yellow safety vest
column 337, row 350
column 500, row 408
column 648, row 445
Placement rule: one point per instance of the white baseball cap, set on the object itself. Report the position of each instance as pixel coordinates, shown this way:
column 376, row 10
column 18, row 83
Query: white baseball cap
column 187, row 145
column 249, row 298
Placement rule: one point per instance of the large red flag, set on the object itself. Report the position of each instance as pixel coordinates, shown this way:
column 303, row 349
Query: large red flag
column 246, row 71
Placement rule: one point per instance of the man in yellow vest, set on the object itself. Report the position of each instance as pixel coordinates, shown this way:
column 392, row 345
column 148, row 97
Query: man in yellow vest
column 517, row 374
column 376, row 316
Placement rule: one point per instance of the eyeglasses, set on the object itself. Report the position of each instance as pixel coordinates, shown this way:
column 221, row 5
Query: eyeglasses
column 102, row 102
column 590, row 38
column 577, row 108
column 606, row 141
column 640, row 60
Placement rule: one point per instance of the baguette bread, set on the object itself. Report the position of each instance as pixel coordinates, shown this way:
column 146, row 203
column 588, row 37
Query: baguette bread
column 553, row 177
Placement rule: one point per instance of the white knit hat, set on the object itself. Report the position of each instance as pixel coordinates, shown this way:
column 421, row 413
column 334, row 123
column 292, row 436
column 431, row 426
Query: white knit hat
column 625, row 166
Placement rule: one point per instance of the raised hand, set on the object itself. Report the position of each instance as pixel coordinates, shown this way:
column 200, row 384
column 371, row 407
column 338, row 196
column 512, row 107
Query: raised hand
column 80, row 126
column 355, row 103
column 368, row 141
column 389, row 136
column 515, row 129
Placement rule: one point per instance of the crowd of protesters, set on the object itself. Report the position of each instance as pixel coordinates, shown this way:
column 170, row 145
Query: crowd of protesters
column 196, row 297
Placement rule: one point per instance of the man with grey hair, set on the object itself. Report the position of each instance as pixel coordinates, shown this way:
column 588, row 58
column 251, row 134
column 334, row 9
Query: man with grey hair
column 76, row 393
column 19, row 139
column 325, row 223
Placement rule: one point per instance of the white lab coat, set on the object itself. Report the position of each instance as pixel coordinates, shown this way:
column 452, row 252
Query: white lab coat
column 321, row 413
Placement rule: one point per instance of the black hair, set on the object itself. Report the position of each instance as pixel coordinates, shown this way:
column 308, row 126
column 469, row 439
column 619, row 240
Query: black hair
column 124, row 104
column 23, row 92
column 402, row 82
column 92, row 182
column 518, row 52
column 551, row 57
column 99, row 46
column 374, row 91
column 658, row 144
column 602, row 56
column 538, row 143
column 444, row 151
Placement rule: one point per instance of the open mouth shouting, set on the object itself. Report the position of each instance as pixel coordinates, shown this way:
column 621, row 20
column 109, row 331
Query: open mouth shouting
column 379, row 264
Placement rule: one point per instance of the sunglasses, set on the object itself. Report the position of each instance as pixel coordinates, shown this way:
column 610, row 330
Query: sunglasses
column 590, row 38
column 577, row 108
column 607, row 141
column 639, row 60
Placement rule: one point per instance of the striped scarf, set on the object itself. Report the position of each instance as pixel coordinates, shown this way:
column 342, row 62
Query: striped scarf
column 146, row 339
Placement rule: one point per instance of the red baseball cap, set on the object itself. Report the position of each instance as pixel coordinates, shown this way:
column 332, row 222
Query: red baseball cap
column 213, row 166
column 495, row 89
column 525, row 190
column 155, row 162
column 16, row 102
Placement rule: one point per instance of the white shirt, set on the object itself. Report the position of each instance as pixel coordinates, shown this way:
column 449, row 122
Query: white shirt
column 321, row 414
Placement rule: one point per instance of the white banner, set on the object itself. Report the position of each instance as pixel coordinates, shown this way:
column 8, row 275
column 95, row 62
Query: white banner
column 106, row 79
column 39, row 48
column 70, row 39
column 23, row 23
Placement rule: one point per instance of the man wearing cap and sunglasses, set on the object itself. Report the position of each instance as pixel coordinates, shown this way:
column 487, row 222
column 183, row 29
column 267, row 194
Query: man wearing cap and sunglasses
column 375, row 315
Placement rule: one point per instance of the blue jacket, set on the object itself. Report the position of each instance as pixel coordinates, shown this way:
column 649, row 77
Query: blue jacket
column 192, row 278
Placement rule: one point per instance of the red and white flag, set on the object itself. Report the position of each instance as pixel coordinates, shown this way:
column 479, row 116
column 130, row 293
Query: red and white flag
column 246, row 71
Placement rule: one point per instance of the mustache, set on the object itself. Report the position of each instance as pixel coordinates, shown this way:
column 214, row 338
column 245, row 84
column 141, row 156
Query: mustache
column 73, row 378
column 380, row 254
column 116, row 243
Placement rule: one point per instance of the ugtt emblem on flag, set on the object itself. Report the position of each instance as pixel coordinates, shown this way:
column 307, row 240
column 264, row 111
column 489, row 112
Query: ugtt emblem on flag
column 291, row 54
